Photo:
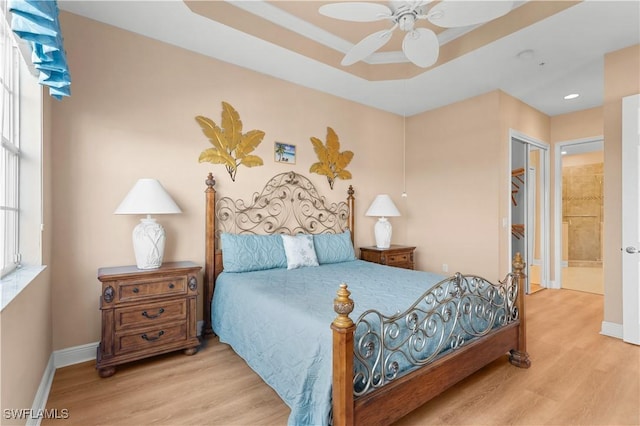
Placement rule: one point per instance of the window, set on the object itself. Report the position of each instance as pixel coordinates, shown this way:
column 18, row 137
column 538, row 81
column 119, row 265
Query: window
column 10, row 150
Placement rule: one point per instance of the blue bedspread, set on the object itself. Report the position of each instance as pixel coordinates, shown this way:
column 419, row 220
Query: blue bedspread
column 279, row 320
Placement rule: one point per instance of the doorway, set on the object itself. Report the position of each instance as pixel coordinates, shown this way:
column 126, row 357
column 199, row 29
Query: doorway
column 529, row 216
column 579, row 213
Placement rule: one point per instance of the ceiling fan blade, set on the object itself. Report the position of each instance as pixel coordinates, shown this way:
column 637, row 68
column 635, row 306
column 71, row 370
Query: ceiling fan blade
column 421, row 47
column 453, row 13
column 367, row 46
column 356, row 11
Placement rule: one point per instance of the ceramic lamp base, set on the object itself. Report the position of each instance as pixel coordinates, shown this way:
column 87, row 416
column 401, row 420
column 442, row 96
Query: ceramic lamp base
column 148, row 243
column 383, row 231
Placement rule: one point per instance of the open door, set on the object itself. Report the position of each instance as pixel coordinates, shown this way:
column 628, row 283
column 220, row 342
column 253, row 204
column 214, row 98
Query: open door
column 631, row 219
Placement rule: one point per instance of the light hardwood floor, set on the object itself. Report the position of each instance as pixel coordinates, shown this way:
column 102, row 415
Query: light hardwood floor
column 577, row 377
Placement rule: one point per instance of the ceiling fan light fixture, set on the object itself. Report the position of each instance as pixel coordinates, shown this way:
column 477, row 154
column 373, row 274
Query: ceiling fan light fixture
column 420, row 45
column 406, row 22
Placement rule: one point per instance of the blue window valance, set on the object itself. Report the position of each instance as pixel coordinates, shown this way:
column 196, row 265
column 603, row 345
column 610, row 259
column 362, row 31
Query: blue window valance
column 36, row 21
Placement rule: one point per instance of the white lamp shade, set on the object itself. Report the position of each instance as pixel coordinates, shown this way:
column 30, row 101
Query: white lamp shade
column 382, row 206
column 148, row 197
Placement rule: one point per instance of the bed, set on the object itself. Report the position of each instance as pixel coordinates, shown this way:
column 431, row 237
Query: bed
column 408, row 336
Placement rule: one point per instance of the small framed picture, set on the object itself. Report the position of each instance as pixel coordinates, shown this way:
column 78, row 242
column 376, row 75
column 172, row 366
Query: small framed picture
column 284, row 153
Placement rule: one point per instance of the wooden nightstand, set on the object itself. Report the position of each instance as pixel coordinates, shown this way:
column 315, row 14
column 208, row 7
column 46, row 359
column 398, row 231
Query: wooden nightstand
column 398, row 256
column 146, row 312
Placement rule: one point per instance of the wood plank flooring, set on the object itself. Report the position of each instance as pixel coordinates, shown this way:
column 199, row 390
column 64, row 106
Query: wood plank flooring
column 577, row 377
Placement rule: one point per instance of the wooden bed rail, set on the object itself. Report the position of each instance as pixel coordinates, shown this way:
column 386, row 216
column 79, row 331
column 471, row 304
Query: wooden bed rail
column 396, row 399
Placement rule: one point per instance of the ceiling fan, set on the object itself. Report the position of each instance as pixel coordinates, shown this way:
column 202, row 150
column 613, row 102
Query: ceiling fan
column 420, row 45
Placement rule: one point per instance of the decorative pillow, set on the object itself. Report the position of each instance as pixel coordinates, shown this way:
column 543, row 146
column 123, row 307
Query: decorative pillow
column 299, row 251
column 245, row 253
column 334, row 248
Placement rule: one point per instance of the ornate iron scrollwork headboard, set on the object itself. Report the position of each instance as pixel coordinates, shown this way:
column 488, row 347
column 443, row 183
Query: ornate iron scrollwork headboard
column 288, row 204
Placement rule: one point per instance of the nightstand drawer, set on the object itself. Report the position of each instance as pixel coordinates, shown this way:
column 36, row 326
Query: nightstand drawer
column 143, row 290
column 393, row 259
column 396, row 256
column 150, row 337
column 151, row 313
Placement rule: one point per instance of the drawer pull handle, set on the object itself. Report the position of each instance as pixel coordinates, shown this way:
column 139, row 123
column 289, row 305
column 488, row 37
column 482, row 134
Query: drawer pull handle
column 135, row 290
column 151, row 339
column 171, row 285
column 146, row 314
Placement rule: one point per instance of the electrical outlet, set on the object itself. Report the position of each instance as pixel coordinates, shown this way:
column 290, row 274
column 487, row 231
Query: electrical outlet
column 445, row 267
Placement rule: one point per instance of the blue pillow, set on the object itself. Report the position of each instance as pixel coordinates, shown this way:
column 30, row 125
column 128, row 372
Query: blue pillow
column 245, row 253
column 334, row 248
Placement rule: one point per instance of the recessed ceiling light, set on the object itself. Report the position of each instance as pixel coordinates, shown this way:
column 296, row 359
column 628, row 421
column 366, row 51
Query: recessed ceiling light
column 563, row 152
column 571, row 96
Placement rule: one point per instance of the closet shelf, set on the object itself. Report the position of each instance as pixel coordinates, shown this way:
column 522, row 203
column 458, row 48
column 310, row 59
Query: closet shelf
column 516, row 176
column 517, row 230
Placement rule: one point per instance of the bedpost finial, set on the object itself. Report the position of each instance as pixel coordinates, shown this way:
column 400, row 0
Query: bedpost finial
column 210, row 181
column 350, row 191
column 343, row 306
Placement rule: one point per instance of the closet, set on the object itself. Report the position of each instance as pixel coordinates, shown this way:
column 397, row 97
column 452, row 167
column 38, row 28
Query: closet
column 529, row 208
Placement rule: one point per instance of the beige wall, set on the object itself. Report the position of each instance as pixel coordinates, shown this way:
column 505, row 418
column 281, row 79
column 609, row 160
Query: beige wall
column 26, row 345
column 131, row 115
column 452, row 185
column 459, row 182
column 622, row 78
column 583, row 124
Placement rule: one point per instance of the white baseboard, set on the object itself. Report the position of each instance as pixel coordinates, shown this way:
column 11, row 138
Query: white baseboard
column 42, row 394
column 553, row 285
column 611, row 329
column 75, row 355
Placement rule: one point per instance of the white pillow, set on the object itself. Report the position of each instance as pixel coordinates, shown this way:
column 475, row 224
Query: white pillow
column 299, row 250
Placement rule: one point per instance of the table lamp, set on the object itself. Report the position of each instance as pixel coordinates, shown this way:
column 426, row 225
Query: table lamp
column 148, row 197
column 383, row 207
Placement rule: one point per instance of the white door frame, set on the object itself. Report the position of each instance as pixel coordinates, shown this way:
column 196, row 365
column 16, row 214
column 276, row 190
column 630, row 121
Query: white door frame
column 544, row 220
column 630, row 221
column 557, row 213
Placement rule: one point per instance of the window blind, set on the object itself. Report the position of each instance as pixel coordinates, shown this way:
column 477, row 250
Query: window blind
column 36, row 22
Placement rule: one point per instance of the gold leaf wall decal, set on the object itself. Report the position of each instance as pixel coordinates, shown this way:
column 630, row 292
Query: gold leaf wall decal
column 332, row 162
column 230, row 146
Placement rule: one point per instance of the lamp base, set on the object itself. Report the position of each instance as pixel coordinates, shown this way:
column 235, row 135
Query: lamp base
column 383, row 231
column 148, row 243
